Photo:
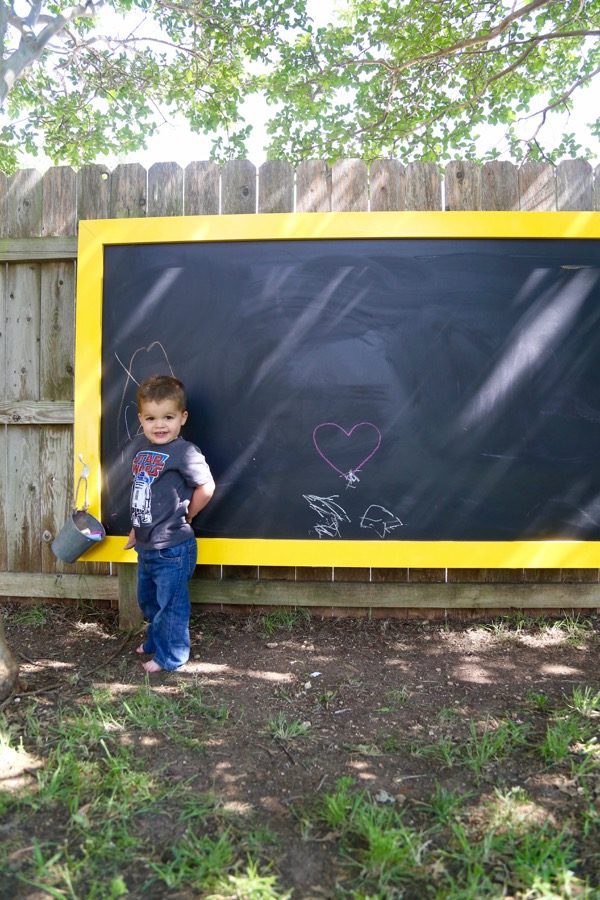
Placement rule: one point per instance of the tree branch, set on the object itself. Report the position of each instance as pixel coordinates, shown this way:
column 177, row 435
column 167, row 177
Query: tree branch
column 31, row 46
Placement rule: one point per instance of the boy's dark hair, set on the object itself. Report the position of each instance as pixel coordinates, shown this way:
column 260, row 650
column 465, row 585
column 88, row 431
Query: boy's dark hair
column 161, row 387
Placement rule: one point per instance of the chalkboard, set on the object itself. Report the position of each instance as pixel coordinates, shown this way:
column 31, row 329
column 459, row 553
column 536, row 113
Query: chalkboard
column 389, row 389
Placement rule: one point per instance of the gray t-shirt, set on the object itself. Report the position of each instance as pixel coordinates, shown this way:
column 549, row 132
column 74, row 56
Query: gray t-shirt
column 164, row 478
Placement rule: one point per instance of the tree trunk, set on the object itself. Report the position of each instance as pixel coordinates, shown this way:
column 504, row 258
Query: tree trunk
column 9, row 670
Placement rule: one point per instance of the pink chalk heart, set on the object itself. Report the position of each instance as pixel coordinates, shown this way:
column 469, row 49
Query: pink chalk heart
column 329, row 433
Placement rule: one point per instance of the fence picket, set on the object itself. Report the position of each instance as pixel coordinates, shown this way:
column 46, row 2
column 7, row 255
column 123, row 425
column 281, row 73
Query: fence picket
column 238, row 187
column 24, row 204
column 423, row 186
column 574, row 185
column 56, row 491
column 3, row 204
column 93, row 192
column 463, row 186
column 57, row 326
column 349, row 186
column 59, row 201
column 128, row 192
column 275, row 187
column 165, row 189
column 537, row 186
column 201, row 189
column 499, row 186
column 313, row 186
column 387, row 185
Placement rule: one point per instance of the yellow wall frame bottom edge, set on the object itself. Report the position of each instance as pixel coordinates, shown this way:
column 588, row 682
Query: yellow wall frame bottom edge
column 375, row 554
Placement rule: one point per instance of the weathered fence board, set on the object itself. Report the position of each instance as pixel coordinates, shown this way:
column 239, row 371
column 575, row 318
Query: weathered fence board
column 59, row 586
column 56, row 490
column 238, row 187
column 276, row 187
column 349, row 186
column 128, row 192
column 37, row 249
column 387, row 185
column 313, row 186
column 57, row 330
column 423, row 186
column 574, row 185
column 463, row 186
column 499, row 186
column 59, row 201
column 38, row 223
column 24, row 204
column 201, row 189
column 4, row 495
column 36, row 412
column 165, row 190
column 537, row 187
column 387, row 595
column 93, row 192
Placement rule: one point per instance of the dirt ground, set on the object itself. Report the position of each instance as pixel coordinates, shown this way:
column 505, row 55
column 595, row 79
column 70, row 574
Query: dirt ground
column 364, row 691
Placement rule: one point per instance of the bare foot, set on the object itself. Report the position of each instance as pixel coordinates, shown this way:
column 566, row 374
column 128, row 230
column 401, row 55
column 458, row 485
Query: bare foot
column 140, row 649
column 151, row 666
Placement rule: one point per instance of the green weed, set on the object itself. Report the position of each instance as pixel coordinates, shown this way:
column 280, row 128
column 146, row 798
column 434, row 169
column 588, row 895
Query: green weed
column 279, row 727
column 584, row 701
column 249, row 884
column 31, row 616
column 539, row 701
column 444, row 805
column 195, row 860
column 561, row 734
column 283, row 619
column 492, row 743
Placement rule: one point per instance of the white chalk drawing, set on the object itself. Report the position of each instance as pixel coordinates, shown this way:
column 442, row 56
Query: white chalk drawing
column 332, row 515
column 127, row 411
column 367, row 428
column 380, row 520
column 330, row 512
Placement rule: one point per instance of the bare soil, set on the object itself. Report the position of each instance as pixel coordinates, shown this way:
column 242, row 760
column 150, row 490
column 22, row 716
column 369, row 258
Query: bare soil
column 368, row 689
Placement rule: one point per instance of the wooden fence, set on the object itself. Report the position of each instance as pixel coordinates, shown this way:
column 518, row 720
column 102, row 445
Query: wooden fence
column 38, row 226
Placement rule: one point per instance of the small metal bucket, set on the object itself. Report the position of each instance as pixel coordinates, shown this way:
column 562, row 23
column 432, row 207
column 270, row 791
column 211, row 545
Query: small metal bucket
column 80, row 532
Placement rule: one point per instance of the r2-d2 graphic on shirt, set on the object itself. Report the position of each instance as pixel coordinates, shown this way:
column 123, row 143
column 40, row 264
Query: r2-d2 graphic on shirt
column 147, row 466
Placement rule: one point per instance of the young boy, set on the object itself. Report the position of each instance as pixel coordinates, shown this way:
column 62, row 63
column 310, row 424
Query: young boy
column 171, row 484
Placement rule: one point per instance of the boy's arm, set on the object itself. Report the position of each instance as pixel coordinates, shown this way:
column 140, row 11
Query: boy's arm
column 200, row 497
column 130, row 540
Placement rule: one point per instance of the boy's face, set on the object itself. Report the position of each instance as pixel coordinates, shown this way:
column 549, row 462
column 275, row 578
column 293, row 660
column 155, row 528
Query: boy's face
column 161, row 420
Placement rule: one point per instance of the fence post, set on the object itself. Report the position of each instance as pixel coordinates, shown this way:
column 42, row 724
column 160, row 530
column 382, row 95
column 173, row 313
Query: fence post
column 130, row 615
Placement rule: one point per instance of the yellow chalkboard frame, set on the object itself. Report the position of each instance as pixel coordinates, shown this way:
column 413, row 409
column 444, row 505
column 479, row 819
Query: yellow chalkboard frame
column 95, row 235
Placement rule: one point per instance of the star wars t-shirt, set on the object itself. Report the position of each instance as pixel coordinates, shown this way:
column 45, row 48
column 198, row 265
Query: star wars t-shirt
column 164, row 478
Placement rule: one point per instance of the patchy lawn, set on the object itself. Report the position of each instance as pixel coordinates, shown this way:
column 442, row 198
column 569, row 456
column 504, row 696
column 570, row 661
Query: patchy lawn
column 304, row 758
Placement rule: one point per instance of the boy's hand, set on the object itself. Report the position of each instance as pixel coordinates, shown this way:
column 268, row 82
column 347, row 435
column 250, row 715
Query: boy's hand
column 130, row 540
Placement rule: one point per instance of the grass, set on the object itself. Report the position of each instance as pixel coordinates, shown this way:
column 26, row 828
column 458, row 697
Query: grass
column 433, row 849
column 32, row 616
column 97, row 790
column 104, row 818
column 571, row 629
column 280, row 727
column 283, row 619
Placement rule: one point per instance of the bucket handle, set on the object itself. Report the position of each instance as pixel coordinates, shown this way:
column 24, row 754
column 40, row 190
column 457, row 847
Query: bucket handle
column 83, row 478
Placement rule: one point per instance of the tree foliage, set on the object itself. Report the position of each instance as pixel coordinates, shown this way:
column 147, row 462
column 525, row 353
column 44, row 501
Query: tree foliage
column 79, row 81
column 387, row 78
column 418, row 80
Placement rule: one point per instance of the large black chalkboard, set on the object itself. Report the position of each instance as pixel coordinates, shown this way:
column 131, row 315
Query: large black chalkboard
column 398, row 389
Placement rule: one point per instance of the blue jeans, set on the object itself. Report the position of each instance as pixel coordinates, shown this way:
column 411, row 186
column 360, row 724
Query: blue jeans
column 164, row 599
